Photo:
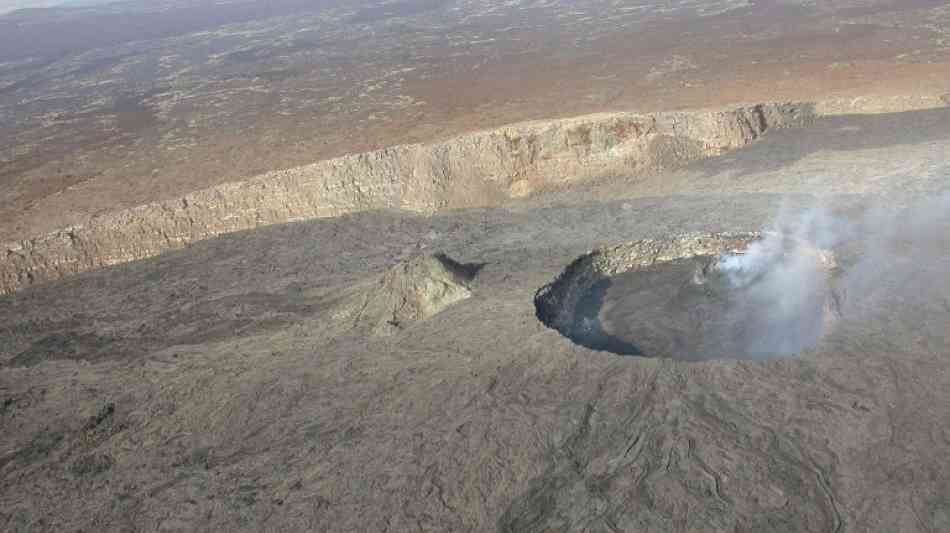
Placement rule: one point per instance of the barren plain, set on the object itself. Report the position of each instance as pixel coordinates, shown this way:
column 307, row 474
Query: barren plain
column 109, row 107
column 447, row 266
column 265, row 380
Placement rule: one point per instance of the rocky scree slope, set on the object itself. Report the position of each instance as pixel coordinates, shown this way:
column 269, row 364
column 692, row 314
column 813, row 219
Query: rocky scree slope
column 477, row 169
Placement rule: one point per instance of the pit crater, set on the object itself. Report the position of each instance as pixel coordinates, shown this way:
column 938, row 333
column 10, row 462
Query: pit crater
column 696, row 297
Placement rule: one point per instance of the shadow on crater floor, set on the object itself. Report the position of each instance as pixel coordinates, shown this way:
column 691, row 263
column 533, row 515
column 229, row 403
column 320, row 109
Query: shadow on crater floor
column 588, row 328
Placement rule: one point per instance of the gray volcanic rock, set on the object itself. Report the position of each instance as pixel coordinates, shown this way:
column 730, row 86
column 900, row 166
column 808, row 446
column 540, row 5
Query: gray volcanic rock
column 227, row 386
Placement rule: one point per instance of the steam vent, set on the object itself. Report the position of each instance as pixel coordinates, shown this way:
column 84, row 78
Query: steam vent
column 696, row 297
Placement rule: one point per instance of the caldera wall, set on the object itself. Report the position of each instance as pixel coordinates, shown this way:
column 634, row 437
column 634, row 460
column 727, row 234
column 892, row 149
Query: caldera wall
column 477, row 169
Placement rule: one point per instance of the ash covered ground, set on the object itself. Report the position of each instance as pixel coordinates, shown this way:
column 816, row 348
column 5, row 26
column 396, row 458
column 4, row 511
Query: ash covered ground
column 328, row 376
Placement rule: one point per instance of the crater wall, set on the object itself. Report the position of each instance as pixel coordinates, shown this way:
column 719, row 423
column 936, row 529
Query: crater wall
column 555, row 303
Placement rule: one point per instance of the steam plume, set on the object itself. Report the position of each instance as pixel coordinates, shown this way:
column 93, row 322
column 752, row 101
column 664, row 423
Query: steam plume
column 789, row 287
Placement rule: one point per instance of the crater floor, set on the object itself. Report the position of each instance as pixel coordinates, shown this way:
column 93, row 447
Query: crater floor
column 664, row 311
column 231, row 385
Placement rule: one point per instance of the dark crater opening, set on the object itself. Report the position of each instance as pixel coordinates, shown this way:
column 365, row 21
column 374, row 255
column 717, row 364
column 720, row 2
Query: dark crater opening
column 694, row 297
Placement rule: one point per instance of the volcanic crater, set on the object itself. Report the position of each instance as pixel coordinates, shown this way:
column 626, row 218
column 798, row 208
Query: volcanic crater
column 697, row 297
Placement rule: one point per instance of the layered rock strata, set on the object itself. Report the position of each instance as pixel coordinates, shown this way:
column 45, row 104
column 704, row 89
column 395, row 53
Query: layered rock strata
column 477, row 169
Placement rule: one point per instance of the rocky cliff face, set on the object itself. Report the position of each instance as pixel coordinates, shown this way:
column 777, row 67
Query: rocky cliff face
column 476, row 169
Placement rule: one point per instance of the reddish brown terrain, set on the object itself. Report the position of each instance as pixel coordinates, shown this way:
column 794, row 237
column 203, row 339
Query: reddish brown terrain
column 109, row 107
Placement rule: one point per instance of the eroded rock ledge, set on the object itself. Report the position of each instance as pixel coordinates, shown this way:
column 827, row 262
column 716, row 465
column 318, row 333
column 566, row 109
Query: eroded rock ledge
column 477, row 169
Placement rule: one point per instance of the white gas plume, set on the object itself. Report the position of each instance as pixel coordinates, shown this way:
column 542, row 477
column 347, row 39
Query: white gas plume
column 790, row 285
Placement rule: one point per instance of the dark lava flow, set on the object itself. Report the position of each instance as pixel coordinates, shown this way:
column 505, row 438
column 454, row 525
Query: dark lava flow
column 688, row 309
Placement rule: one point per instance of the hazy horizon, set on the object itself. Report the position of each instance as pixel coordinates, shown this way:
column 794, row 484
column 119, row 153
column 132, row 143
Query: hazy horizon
column 8, row 6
